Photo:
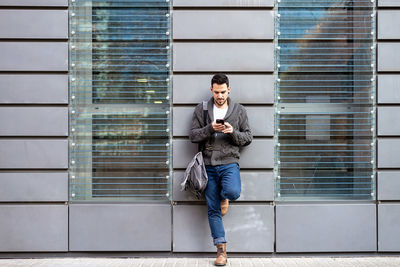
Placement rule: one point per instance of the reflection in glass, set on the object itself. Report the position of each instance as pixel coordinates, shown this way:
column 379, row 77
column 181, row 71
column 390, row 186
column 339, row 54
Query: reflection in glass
column 325, row 95
column 120, row 100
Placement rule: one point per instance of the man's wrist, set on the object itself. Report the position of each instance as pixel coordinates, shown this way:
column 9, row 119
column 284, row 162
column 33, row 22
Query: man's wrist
column 210, row 128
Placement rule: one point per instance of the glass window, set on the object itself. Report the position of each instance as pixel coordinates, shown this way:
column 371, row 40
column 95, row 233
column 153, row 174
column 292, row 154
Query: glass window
column 120, row 109
column 325, row 100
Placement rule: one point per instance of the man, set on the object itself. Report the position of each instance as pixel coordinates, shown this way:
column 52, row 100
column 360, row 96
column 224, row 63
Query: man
column 226, row 130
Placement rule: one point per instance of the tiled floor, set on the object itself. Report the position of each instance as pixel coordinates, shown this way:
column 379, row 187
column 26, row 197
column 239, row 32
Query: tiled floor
column 380, row 261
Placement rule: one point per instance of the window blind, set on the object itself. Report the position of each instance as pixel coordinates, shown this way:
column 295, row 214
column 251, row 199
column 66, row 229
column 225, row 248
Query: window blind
column 325, row 100
column 120, row 107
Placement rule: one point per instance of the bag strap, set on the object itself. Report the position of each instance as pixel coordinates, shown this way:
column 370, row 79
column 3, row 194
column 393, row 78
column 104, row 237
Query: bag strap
column 205, row 112
column 205, row 118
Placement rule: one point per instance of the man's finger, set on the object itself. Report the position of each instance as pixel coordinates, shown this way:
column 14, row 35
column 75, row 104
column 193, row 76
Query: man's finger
column 219, row 127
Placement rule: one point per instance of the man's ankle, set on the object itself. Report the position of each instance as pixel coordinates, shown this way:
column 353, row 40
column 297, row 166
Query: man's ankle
column 224, row 206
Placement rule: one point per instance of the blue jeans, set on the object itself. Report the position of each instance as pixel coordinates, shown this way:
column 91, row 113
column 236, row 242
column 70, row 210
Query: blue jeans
column 223, row 183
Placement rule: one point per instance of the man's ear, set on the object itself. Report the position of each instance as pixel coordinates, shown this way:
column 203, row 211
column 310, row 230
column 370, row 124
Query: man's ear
column 229, row 89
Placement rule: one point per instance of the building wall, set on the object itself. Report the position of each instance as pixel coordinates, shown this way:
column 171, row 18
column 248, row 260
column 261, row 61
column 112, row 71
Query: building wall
column 388, row 192
column 209, row 36
column 235, row 38
column 34, row 125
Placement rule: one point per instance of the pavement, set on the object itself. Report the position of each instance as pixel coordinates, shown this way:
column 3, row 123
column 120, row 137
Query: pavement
column 311, row 261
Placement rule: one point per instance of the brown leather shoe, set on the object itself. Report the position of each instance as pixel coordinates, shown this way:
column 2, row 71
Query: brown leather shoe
column 222, row 258
column 224, row 206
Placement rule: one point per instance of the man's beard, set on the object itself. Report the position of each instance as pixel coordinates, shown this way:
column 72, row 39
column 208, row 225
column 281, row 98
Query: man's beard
column 217, row 102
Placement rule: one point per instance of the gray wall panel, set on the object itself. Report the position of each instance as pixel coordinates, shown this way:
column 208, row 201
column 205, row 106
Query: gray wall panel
column 389, row 185
column 388, row 24
column 248, row 228
column 33, row 88
column 33, row 154
column 34, row 3
column 182, row 117
column 34, row 121
column 388, row 152
column 33, row 23
column 256, row 186
column 325, row 227
column 389, row 227
column 47, row 186
column 389, row 89
column 182, row 151
column 221, row 3
column 246, row 89
column 223, row 24
column 33, row 228
column 388, row 121
column 120, row 227
column 259, row 154
column 34, row 56
column 261, row 120
column 388, row 58
column 223, row 56
column 388, row 3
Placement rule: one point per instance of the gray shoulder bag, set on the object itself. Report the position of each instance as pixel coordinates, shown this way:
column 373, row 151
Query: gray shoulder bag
column 195, row 178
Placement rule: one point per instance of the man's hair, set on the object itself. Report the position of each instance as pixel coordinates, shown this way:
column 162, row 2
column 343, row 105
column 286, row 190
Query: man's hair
column 220, row 78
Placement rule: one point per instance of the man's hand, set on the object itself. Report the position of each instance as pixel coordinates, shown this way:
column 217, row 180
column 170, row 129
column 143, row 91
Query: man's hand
column 218, row 127
column 228, row 128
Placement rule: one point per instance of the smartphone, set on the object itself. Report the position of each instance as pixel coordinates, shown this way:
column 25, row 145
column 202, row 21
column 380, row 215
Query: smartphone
column 220, row 121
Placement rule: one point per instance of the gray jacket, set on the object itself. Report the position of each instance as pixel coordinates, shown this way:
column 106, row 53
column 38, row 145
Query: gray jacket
column 221, row 148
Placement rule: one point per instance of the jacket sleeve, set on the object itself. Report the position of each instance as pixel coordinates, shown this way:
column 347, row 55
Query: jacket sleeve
column 243, row 136
column 199, row 132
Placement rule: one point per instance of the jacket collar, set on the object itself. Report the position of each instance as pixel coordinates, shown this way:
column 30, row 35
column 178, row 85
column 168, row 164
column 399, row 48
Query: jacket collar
column 211, row 108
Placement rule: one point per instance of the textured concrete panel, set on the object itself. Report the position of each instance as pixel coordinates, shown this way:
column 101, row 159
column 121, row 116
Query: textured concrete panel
column 35, row 187
column 33, row 228
column 389, row 185
column 34, row 121
column 389, row 89
column 246, row 89
column 256, row 186
column 388, row 152
column 325, row 227
column 388, row 24
column 388, row 58
column 33, row 23
column 387, row 3
column 261, row 120
column 259, row 154
column 33, row 154
column 388, row 122
column 389, row 227
column 248, row 228
column 223, row 56
column 34, row 3
column 223, row 24
column 223, row 3
column 34, row 56
column 120, row 227
column 33, row 88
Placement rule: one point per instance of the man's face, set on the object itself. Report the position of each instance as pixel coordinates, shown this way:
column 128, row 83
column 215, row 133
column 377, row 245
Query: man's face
column 220, row 93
